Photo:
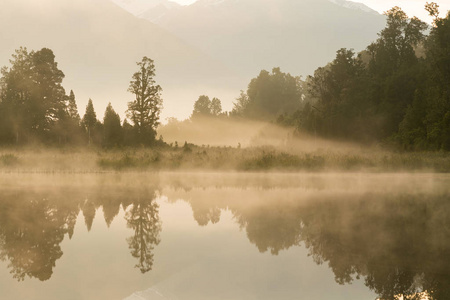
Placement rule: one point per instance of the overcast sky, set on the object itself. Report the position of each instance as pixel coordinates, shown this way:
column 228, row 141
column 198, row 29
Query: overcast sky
column 411, row 7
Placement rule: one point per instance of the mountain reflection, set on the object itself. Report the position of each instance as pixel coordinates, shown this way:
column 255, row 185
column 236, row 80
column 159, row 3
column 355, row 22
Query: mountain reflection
column 33, row 224
column 397, row 242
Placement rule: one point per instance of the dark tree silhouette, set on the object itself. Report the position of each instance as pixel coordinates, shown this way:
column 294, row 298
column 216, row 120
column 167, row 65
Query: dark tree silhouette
column 89, row 120
column 33, row 99
column 145, row 109
column 112, row 130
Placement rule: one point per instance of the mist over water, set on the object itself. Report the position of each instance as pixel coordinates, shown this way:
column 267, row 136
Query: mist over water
column 330, row 186
column 224, row 235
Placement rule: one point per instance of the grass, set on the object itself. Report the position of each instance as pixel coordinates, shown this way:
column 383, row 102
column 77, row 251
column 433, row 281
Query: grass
column 9, row 160
column 255, row 159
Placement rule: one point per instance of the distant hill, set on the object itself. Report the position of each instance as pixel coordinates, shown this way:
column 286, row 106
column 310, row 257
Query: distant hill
column 97, row 45
column 249, row 35
column 148, row 9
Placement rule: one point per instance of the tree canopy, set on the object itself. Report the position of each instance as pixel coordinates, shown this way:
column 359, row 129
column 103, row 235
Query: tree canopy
column 395, row 92
column 269, row 95
column 145, row 109
column 204, row 107
column 33, row 100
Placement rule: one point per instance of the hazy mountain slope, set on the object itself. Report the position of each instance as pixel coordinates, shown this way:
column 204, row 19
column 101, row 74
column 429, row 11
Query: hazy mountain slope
column 297, row 35
column 97, row 44
column 138, row 7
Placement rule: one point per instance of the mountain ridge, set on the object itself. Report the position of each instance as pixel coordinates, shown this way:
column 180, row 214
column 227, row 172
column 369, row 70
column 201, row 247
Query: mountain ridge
column 250, row 35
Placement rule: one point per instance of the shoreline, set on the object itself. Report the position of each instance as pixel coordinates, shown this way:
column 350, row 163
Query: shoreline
column 218, row 159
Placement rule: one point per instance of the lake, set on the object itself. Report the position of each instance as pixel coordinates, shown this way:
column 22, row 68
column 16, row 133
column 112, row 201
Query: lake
column 230, row 235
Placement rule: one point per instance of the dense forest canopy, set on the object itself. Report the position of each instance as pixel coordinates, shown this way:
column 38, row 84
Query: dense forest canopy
column 34, row 107
column 397, row 91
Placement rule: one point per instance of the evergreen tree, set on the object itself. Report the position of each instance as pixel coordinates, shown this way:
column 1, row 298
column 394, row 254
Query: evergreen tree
column 33, row 99
column 72, row 108
column 145, row 109
column 112, row 130
column 89, row 120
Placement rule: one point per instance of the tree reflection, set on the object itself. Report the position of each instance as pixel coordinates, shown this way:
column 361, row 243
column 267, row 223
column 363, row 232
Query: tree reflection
column 34, row 224
column 270, row 228
column 31, row 230
column 205, row 215
column 399, row 244
column 143, row 218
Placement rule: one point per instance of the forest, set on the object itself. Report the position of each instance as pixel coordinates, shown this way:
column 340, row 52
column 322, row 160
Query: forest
column 395, row 93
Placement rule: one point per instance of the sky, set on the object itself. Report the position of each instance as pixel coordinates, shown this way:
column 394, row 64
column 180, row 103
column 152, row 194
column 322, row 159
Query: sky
column 411, row 7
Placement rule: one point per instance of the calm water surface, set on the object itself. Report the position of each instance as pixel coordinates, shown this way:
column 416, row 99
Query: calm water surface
column 224, row 236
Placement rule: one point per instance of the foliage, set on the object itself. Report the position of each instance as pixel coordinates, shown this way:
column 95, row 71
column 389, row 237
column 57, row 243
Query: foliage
column 389, row 93
column 112, row 129
column 269, row 95
column 204, row 107
column 33, row 101
column 427, row 121
column 89, row 120
column 145, row 109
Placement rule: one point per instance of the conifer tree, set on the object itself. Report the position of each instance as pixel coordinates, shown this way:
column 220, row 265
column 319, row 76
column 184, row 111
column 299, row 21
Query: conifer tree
column 112, row 130
column 89, row 120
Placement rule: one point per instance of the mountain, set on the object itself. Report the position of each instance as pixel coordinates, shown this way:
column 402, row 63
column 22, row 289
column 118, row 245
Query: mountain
column 198, row 49
column 354, row 5
column 249, row 35
column 140, row 7
column 97, row 45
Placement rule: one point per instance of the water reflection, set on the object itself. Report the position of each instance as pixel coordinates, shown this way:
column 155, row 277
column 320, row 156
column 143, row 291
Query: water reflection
column 33, row 224
column 398, row 241
column 143, row 218
column 30, row 234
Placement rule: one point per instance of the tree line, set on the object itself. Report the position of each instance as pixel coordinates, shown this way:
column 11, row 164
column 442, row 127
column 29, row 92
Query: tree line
column 34, row 106
column 396, row 91
column 32, row 248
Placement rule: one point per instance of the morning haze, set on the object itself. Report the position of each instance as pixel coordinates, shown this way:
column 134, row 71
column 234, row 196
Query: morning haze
column 225, row 149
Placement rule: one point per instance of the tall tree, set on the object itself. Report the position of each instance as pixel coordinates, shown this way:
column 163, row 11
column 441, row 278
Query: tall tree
column 145, row 109
column 339, row 94
column 394, row 68
column 33, row 98
column 427, row 121
column 72, row 108
column 112, row 130
column 89, row 120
